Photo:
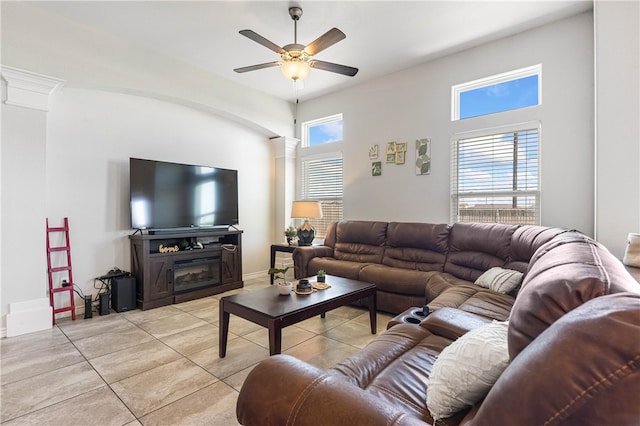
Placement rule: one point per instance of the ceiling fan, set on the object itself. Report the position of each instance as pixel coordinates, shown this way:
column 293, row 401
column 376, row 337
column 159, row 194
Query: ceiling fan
column 296, row 59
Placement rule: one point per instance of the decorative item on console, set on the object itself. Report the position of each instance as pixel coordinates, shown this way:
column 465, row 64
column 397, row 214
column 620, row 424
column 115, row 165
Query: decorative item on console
column 171, row 249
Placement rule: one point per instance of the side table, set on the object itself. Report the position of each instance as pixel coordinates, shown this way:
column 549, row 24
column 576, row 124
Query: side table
column 283, row 248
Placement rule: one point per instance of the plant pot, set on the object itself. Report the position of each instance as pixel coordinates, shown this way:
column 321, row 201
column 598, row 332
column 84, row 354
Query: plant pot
column 321, row 279
column 284, row 288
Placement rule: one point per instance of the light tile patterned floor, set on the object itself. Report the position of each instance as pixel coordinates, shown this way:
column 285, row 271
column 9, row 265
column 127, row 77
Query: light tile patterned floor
column 156, row 367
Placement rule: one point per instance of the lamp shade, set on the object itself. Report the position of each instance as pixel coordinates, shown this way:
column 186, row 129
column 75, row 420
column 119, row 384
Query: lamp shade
column 295, row 69
column 306, row 209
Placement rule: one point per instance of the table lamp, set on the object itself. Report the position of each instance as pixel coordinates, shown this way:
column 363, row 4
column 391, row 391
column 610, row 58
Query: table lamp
column 306, row 210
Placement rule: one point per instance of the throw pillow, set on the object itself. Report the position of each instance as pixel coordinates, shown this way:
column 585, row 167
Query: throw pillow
column 500, row 280
column 465, row 371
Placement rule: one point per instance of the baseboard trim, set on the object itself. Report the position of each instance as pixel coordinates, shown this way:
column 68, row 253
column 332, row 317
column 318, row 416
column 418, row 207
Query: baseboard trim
column 29, row 316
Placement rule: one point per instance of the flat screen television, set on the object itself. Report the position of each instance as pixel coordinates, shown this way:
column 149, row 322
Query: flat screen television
column 167, row 195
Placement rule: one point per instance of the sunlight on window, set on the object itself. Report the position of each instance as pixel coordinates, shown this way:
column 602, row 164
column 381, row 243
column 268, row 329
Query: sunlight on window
column 321, row 131
column 498, row 93
column 495, row 178
column 325, row 133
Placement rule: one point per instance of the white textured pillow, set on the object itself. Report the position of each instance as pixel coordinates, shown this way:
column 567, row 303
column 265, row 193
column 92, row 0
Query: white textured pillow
column 465, row 371
column 500, row 280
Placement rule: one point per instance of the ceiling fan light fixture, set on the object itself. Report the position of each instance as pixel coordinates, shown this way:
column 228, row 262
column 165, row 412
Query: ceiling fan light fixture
column 295, row 69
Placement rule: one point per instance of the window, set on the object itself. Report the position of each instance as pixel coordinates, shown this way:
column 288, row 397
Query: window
column 324, row 130
column 320, row 167
column 321, row 180
column 503, row 92
column 494, row 178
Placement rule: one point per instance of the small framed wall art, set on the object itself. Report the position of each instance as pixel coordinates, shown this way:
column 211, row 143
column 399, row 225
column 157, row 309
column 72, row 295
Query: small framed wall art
column 391, row 148
column 423, row 156
column 373, row 152
column 376, row 168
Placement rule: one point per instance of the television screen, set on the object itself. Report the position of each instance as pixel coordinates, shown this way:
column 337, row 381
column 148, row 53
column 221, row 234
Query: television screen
column 170, row 195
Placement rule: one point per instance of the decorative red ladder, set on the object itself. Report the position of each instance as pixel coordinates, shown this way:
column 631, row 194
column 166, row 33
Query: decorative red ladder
column 66, row 268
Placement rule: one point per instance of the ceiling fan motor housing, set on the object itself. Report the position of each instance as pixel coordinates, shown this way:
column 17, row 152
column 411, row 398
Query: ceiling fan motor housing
column 295, row 13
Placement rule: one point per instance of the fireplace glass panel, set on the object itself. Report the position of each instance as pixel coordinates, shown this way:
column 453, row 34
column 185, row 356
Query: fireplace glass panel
column 195, row 274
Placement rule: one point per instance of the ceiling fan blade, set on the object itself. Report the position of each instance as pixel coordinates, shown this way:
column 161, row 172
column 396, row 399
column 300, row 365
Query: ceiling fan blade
column 327, row 39
column 257, row 67
column 337, row 68
column 261, row 40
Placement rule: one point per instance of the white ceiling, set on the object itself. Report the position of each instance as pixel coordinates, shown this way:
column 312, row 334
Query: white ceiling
column 382, row 36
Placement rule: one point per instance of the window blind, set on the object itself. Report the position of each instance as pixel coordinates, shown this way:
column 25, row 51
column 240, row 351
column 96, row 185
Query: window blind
column 321, row 180
column 495, row 178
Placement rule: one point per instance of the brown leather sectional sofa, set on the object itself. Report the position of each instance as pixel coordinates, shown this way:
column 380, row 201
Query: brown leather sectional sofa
column 412, row 263
column 572, row 340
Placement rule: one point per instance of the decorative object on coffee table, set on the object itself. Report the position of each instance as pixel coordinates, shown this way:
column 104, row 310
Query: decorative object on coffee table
column 321, row 275
column 284, row 287
column 304, row 287
column 306, row 210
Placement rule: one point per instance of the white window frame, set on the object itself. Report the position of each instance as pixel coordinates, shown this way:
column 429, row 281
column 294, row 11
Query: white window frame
column 325, row 151
column 307, row 125
column 454, row 194
column 458, row 89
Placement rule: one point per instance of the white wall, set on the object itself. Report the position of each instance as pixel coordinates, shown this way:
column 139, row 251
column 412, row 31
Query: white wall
column 416, row 103
column 92, row 134
column 119, row 100
column 24, row 267
column 617, row 42
column 37, row 40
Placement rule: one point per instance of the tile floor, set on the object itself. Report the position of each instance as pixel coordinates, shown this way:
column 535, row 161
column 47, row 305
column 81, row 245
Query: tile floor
column 160, row 366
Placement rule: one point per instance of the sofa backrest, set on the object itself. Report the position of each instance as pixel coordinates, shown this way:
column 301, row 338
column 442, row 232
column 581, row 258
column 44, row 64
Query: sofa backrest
column 582, row 370
column 524, row 243
column 360, row 241
column 419, row 246
column 564, row 273
column 476, row 247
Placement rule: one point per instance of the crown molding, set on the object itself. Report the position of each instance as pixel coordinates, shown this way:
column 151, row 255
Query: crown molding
column 28, row 89
column 285, row 146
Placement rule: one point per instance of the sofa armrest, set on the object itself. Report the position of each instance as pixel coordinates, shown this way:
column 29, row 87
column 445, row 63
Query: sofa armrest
column 452, row 323
column 283, row 390
column 302, row 256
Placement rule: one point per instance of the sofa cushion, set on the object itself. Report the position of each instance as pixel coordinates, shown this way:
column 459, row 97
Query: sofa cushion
column 420, row 246
column 476, row 247
column 477, row 300
column 465, row 371
column 360, row 241
column 394, row 368
column 499, row 279
column 397, row 280
column 563, row 274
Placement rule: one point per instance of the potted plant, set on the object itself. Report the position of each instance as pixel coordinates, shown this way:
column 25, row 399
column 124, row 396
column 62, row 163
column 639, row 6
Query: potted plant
column 280, row 275
column 290, row 233
column 321, row 275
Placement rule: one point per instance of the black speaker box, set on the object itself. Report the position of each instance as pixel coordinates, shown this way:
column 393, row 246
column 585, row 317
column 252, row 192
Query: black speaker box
column 88, row 313
column 104, row 303
column 123, row 294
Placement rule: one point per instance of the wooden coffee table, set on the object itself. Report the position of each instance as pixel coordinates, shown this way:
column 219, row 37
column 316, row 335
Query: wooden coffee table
column 267, row 308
